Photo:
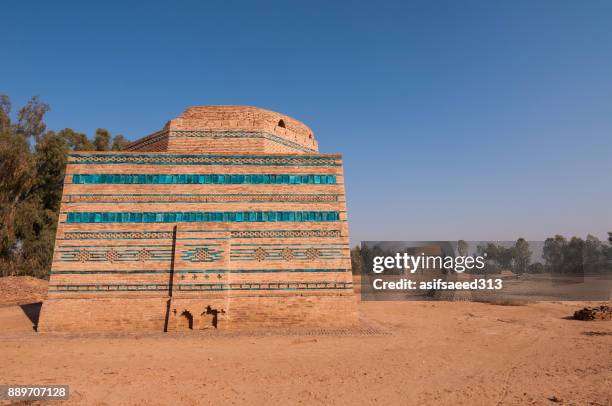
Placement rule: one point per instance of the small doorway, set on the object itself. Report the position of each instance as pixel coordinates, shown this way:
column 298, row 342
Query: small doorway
column 185, row 321
column 209, row 318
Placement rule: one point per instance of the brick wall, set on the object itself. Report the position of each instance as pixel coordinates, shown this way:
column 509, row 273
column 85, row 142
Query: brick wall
column 103, row 314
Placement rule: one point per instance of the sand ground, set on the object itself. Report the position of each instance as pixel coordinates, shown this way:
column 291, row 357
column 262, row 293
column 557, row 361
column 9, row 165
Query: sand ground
column 431, row 353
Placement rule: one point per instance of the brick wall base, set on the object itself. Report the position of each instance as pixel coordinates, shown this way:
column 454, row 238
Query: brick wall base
column 184, row 314
column 103, row 314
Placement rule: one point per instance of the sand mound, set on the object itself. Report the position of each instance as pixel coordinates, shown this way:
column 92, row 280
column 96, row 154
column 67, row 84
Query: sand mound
column 602, row 312
column 16, row 290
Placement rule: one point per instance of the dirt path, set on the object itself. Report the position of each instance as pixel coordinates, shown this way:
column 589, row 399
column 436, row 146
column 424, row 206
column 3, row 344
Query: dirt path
column 437, row 353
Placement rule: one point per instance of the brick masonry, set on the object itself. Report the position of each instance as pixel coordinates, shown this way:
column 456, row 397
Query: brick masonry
column 248, row 229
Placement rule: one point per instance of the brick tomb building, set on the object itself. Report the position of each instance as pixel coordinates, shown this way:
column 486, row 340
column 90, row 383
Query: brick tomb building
column 228, row 217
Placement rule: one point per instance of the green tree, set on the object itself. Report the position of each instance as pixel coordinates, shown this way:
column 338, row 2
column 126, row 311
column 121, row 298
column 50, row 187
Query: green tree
column 102, row 140
column 76, row 141
column 553, row 253
column 32, row 170
column 20, row 207
column 521, row 256
column 51, row 154
column 17, row 176
column 119, row 143
column 462, row 248
column 505, row 256
column 5, row 111
column 490, row 252
column 536, row 267
column 595, row 255
column 573, row 256
column 30, row 119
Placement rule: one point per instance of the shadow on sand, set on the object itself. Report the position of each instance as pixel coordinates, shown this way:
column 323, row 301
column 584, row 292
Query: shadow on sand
column 32, row 310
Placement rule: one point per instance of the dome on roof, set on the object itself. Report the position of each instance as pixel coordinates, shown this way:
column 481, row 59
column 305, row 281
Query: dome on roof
column 278, row 133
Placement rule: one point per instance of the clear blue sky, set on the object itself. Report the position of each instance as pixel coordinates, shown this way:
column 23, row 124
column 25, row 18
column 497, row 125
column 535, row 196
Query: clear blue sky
column 485, row 120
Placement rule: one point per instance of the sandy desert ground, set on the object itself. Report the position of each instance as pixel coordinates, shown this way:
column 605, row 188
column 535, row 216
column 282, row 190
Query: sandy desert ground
column 408, row 353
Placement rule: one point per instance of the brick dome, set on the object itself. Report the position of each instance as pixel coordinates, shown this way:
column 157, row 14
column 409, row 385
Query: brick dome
column 220, row 129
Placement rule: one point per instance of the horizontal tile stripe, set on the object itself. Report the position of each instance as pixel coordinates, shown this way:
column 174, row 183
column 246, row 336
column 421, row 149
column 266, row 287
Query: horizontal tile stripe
column 116, row 246
column 329, row 245
column 198, row 271
column 124, row 287
column 185, row 159
column 214, row 195
column 168, row 235
column 199, row 217
column 217, row 134
column 117, row 235
column 200, row 198
column 281, row 259
column 206, row 179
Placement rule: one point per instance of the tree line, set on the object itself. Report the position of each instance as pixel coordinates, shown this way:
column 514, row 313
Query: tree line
column 559, row 255
column 32, row 166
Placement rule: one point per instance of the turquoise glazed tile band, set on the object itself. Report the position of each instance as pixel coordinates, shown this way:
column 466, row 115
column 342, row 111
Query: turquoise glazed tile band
column 202, row 217
column 210, row 179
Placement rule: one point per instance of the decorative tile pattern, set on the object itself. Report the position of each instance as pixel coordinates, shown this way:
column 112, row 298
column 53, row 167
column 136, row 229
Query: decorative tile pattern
column 144, row 255
column 207, row 179
column 199, row 217
column 171, row 159
column 115, row 287
column 151, row 235
column 260, row 254
column 114, row 254
column 202, row 198
column 312, row 253
column 198, row 271
column 202, row 253
column 129, row 235
column 285, row 234
column 83, row 255
column 287, row 254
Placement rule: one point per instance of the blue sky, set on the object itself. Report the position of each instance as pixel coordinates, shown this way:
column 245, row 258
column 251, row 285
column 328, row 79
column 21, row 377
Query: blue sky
column 487, row 120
